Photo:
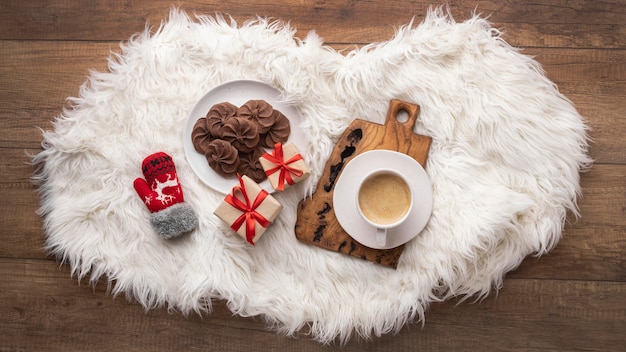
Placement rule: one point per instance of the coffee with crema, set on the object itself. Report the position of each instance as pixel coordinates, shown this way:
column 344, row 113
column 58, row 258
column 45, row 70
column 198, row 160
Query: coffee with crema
column 384, row 198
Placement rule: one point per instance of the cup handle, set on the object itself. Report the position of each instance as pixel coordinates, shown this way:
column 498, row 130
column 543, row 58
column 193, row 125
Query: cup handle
column 381, row 237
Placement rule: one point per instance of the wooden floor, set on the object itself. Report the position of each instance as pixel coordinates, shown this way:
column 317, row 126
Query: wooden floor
column 572, row 299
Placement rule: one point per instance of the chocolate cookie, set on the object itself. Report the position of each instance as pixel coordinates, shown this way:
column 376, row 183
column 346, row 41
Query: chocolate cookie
column 218, row 115
column 251, row 166
column 278, row 133
column 241, row 133
column 223, row 158
column 200, row 136
column 259, row 112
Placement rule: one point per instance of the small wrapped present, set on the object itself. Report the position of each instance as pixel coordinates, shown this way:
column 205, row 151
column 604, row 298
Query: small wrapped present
column 248, row 209
column 284, row 166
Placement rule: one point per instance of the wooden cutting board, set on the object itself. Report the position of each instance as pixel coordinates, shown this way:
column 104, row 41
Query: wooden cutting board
column 316, row 223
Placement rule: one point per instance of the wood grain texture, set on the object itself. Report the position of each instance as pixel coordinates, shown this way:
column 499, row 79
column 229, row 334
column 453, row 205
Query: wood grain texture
column 41, row 75
column 543, row 23
column 571, row 299
column 42, row 308
column 592, row 247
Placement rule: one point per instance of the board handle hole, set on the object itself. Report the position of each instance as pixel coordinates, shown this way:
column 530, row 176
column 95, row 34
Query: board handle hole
column 402, row 115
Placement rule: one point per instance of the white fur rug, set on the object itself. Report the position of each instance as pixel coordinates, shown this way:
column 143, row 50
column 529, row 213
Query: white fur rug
column 504, row 165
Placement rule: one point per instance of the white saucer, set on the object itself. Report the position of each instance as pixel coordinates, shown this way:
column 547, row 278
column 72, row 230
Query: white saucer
column 238, row 93
column 347, row 186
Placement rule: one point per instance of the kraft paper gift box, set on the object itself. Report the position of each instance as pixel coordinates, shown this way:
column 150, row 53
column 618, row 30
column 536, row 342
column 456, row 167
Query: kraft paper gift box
column 249, row 209
column 284, row 166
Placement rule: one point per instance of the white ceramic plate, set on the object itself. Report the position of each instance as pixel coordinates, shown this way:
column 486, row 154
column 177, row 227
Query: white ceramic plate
column 344, row 197
column 238, row 93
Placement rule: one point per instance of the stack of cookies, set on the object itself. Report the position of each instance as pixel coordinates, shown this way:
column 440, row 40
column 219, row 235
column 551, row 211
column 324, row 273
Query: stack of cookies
column 234, row 138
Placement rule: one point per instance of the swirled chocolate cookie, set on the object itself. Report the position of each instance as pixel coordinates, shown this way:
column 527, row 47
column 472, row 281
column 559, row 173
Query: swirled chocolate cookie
column 260, row 112
column 278, row 132
column 241, row 133
column 223, row 158
column 200, row 136
column 218, row 115
column 250, row 165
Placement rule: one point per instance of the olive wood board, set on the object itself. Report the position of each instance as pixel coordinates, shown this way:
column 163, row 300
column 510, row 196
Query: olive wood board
column 316, row 222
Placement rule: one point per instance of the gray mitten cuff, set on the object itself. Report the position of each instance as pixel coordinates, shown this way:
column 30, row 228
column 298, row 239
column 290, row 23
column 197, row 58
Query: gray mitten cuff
column 174, row 220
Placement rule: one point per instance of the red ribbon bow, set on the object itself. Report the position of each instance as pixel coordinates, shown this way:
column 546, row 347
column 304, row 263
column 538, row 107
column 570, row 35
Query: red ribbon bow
column 285, row 170
column 250, row 216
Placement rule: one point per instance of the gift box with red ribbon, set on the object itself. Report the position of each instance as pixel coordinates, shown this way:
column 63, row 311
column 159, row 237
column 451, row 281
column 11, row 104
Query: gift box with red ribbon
column 284, row 166
column 249, row 210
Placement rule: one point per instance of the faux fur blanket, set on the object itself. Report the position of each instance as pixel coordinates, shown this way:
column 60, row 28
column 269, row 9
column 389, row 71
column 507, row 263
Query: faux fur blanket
column 504, row 165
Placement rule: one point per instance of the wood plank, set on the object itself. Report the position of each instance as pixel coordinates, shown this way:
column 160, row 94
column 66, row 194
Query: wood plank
column 570, row 299
column 570, row 68
column 40, row 75
column 42, row 308
column 65, row 66
column 591, row 248
column 21, row 127
column 20, row 226
column 547, row 315
column 605, row 116
column 543, row 23
column 592, row 79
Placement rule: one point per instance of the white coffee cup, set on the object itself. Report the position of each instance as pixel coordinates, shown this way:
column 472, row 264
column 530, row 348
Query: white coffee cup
column 384, row 200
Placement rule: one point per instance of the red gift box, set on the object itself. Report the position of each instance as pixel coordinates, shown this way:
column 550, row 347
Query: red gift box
column 284, row 166
column 249, row 210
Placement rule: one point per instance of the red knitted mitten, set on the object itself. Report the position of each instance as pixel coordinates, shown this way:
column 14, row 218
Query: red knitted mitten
column 160, row 191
